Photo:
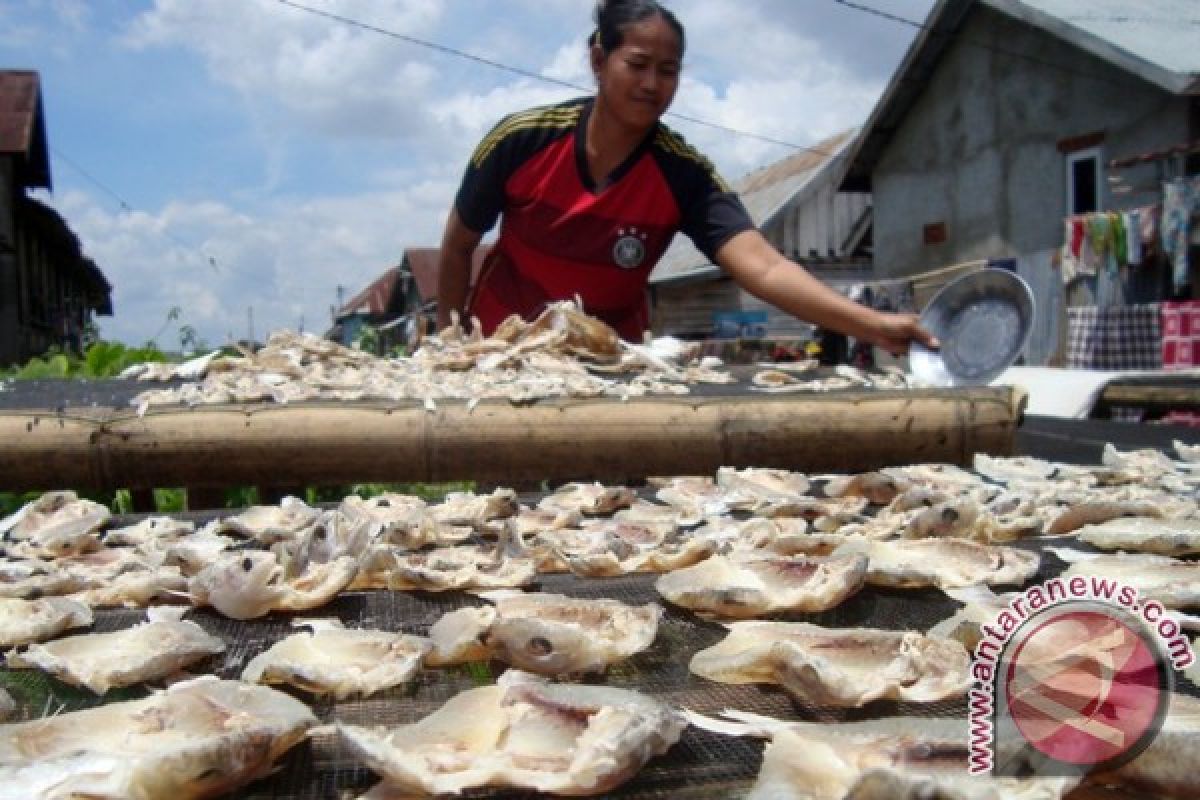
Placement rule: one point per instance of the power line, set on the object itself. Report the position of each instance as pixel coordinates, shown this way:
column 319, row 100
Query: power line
column 879, row 13
column 127, row 208
column 527, row 73
column 981, row 45
column 92, row 180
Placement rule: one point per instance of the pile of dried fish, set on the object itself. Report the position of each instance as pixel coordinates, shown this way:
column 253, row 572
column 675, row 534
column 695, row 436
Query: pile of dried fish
column 563, row 353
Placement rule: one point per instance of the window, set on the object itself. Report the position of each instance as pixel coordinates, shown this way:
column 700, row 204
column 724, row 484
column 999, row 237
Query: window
column 1083, row 181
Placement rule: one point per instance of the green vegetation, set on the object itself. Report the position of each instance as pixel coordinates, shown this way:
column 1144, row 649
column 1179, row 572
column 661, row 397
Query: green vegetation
column 100, row 360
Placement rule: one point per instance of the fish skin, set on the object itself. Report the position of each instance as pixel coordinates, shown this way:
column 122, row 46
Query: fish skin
column 522, row 733
column 209, row 738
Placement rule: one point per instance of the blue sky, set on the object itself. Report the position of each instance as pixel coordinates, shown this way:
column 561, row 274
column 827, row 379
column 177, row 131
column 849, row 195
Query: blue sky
column 226, row 155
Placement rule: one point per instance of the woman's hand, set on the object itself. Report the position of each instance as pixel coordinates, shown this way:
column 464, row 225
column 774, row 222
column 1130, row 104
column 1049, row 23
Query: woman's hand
column 896, row 332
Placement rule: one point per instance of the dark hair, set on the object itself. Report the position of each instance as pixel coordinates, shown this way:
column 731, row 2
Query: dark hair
column 613, row 16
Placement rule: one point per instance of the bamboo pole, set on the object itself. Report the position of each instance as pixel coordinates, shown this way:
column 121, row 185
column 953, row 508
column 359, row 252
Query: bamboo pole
column 273, row 445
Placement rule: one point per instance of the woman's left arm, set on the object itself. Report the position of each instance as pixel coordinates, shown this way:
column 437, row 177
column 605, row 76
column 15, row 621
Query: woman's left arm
column 764, row 272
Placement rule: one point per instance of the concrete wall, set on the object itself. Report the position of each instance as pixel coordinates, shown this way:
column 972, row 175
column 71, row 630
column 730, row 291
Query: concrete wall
column 10, row 339
column 978, row 150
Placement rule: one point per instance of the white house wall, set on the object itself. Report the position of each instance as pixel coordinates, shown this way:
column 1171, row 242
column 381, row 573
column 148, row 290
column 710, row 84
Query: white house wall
column 978, row 149
column 821, row 222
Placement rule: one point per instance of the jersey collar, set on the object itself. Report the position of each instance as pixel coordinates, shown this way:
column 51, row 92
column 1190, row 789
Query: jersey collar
column 581, row 165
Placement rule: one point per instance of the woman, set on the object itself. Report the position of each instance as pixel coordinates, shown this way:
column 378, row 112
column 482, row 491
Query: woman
column 593, row 190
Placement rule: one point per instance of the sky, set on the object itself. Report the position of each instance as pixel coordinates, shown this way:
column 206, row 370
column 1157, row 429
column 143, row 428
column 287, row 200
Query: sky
column 248, row 162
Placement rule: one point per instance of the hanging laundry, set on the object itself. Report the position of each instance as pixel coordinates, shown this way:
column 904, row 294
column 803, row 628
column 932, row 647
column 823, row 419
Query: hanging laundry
column 1120, row 249
column 1068, row 259
column 1133, row 237
column 1100, row 244
column 1181, row 198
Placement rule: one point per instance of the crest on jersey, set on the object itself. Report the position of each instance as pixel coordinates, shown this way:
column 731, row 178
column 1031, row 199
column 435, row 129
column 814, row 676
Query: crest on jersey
column 630, row 248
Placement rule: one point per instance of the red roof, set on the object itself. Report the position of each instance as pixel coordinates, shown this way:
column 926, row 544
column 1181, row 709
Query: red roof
column 22, row 128
column 374, row 299
column 377, row 298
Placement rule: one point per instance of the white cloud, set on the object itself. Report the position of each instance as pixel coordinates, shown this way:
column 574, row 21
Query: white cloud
column 339, row 79
column 285, row 261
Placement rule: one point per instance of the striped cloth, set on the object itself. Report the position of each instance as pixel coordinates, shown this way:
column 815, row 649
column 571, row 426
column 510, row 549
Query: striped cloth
column 1115, row 338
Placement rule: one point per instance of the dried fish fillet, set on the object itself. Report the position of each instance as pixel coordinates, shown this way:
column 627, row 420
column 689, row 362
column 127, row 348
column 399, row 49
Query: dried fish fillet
column 445, row 568
column 1168, row 537
column 1187, row 452
column 981, row 606
column 897, row 758
column 27, row 621
column 1096, row 512
column 269, row 524
column 332, row 660
column 1013, row 469
column 748, row 584
column 879, row 488
column 1174, row 583
column 588, row 498
column 146, row 652
column 1167, row 767
column 149, row 530
column 198, row 738
column 396, row 519
column 549, row 634
column 696, row 498
column 33, row 578
column 471, row 510
column 610, row 547
column 771, row 487
column 522, row 733
column 55, row 517
column 249, row 584
column 57, row 525
column 944, row 563
column 847, row 668
column 135, row 588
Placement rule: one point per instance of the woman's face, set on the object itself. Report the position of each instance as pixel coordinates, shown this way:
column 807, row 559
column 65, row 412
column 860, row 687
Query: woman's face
column 637, row 81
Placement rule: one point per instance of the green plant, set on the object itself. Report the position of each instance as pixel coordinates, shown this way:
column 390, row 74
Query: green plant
column 367, row 339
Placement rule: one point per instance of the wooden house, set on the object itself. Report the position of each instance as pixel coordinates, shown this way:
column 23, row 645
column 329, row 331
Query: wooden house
column 400, row 305
column 49, row 290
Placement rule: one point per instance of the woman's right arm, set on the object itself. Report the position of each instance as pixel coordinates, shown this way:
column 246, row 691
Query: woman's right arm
column 454, row 268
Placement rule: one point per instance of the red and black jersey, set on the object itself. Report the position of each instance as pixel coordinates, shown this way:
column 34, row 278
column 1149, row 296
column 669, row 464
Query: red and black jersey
column 562, row 236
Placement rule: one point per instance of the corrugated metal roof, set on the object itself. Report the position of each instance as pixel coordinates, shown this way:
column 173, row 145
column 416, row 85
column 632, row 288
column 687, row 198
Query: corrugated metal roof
column 1153, row 39
column 22, row 128
column 765, row 192
column 1161, row 34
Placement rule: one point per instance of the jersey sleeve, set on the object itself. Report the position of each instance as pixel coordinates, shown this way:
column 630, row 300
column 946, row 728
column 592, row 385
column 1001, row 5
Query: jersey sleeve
column 480, row 197
column 711, row 213
column 516, row 138
column 714, row 217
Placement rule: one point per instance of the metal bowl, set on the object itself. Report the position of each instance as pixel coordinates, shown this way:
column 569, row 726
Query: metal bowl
column 983, row 321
